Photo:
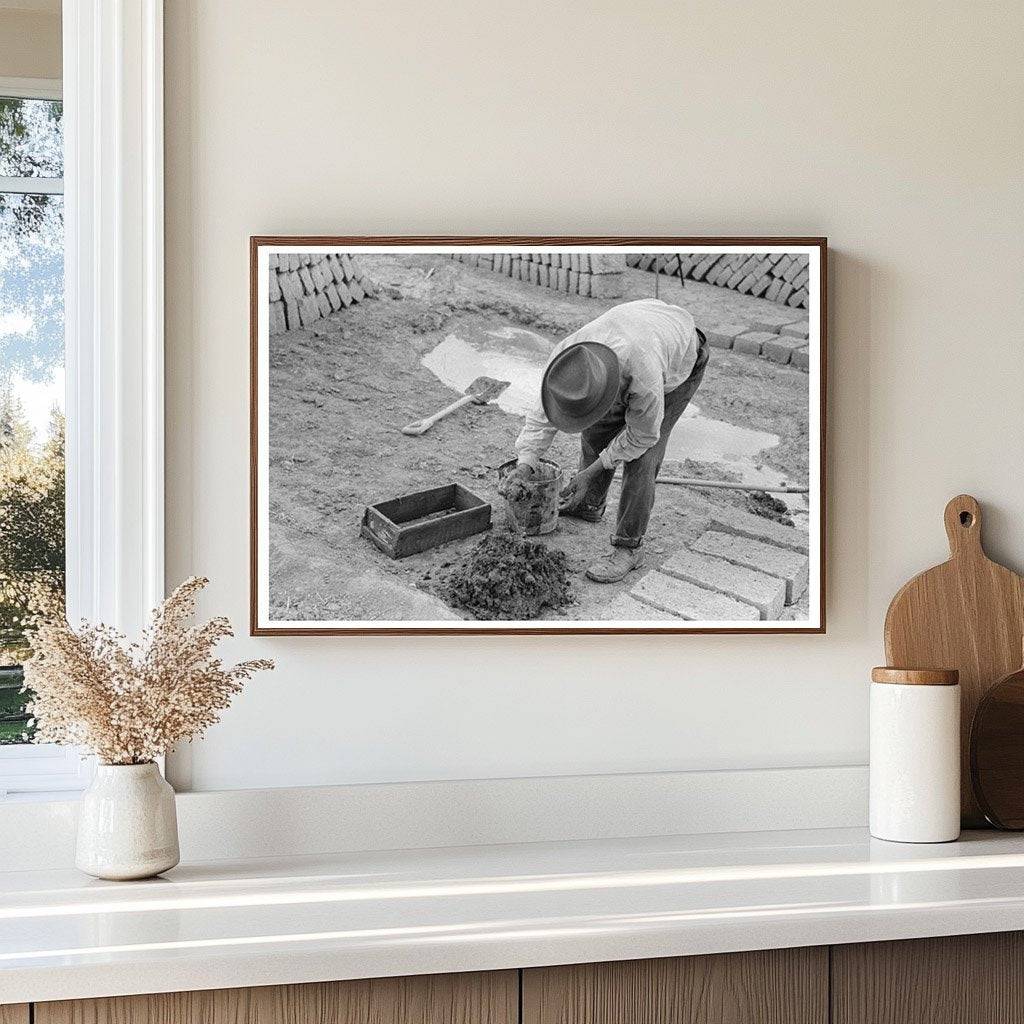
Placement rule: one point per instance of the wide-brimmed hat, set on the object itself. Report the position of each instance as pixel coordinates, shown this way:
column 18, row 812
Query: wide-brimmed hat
column 580, row 385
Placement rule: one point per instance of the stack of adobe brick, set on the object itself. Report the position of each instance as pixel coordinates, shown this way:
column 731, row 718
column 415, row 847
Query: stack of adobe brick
column 598, row 276
column 742, row 568
column 306, row 287
column 768, row 336
column 781, row 277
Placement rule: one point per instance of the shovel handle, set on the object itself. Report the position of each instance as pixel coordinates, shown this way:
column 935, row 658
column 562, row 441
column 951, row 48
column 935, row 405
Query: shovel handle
column 688, row 481
column 418, row 427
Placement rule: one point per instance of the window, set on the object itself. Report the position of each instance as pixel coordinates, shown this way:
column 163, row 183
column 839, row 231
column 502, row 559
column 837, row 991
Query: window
column 32, row 548
column 109, row 208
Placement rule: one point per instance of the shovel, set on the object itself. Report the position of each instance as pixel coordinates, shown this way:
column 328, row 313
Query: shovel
column 480, row 392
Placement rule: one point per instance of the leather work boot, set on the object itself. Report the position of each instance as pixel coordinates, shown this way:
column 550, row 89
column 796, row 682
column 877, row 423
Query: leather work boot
column 616, row 565
column 588, row 515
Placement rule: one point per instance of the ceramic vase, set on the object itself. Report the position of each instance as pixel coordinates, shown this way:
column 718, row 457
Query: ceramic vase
column 127, row 825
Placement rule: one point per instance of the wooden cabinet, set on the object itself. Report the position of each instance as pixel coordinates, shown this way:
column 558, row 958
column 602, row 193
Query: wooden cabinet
column 968, row 979
column 971, row 979
column 962, row 979
column 777, row 986
column 491, row 998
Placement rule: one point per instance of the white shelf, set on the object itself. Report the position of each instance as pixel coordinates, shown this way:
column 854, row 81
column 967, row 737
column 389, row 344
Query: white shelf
column 351, row 915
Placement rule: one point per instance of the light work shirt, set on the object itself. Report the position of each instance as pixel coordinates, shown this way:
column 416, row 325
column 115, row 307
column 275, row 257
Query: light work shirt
column 656, row 344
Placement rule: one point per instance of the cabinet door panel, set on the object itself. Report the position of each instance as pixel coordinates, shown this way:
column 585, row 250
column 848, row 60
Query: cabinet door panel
column 481, row 998
column 14, row 1013
column 778, row 986
column 961, row 979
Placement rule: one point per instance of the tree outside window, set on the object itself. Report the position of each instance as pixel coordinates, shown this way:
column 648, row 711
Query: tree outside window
column 31, row 387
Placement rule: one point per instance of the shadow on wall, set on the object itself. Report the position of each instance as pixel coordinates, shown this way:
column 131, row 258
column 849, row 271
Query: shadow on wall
column 853, row 286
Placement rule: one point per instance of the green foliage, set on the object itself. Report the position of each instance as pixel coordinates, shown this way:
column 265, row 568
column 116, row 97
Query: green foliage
column 14, row 721
column 31, row 146
column 32, row 548
column 32, row 510
column 31, row 476
column 31, row 138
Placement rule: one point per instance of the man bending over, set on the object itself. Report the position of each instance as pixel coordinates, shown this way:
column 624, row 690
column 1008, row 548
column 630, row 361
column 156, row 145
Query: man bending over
column 621, row 382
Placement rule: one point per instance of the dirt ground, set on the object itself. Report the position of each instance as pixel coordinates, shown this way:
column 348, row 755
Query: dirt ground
column 340, row 393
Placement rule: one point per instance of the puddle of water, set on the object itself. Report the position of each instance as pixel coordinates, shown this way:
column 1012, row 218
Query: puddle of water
column 507, row 353
column 737, row 450
column 706, row 440
column 518, row 355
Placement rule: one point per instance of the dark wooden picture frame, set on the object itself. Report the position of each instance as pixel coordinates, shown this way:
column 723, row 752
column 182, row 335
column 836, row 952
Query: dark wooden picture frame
column 343, row 243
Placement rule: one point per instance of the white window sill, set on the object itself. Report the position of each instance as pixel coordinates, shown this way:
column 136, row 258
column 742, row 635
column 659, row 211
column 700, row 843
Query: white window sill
column 42, row 771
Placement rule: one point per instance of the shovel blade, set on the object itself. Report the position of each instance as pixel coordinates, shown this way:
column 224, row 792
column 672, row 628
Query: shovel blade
column 484, row 389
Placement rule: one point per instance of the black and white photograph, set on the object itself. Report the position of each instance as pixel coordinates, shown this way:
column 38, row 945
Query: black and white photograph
column 537, row 435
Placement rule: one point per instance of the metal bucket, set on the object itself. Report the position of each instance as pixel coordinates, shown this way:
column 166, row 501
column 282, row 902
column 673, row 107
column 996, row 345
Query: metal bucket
column 536, row 511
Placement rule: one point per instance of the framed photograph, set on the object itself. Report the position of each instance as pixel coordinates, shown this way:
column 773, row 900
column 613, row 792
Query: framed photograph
column 537, row 435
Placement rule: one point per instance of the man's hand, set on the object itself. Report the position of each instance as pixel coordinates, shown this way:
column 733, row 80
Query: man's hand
column 576, row 489
column 513, row 487
column 523, row 472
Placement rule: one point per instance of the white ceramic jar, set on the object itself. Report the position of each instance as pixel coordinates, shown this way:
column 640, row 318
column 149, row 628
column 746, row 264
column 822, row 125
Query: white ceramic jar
column 915, row 755
column 127, row 824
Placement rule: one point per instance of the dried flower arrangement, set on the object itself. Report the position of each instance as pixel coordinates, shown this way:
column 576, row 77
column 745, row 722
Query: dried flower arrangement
column 129, row 703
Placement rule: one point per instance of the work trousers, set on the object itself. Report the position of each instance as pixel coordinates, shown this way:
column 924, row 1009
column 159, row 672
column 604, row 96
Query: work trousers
column 639, row 474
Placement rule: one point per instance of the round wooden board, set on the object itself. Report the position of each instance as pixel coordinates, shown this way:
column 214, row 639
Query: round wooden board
column 997, row 753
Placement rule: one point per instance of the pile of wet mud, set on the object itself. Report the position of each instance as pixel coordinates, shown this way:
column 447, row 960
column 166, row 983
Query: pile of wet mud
column 763, row 504
column 508, row 577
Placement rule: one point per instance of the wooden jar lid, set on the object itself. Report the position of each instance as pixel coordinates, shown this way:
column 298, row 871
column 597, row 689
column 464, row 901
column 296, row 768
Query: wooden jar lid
column 916, row 676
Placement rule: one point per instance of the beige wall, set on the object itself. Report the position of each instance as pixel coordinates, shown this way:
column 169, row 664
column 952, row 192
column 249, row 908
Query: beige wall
column 30, row 43
column 895, row 129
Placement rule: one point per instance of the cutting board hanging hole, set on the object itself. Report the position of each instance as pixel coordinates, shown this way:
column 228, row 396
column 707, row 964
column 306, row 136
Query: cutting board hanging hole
column 963, row 526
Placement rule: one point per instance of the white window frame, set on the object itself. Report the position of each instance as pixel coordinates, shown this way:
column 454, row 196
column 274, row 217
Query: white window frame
column 114, row 324
column 31, row 89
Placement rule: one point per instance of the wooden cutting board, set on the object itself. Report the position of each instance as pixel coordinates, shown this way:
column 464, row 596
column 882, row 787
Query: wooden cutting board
column 967, row 614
